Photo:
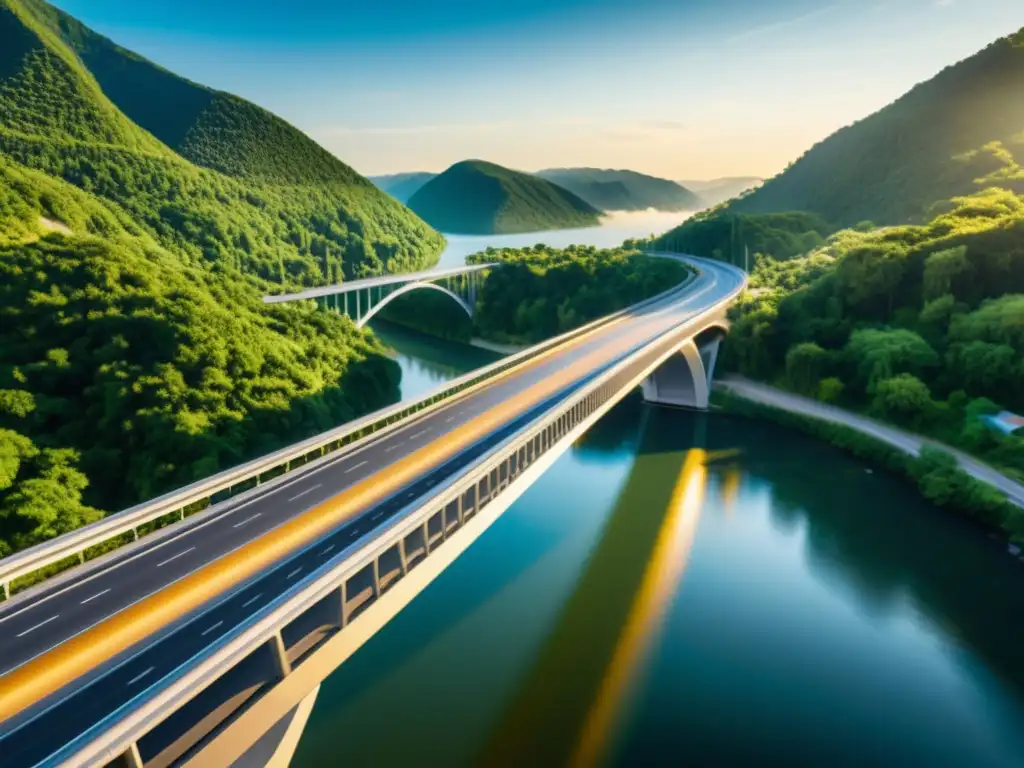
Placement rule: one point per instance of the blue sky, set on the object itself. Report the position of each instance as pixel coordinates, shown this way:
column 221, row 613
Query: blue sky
column 678, row 88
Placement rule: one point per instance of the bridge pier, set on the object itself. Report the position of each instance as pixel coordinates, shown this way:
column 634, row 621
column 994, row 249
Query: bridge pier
column 276, row 747
column 684, row 380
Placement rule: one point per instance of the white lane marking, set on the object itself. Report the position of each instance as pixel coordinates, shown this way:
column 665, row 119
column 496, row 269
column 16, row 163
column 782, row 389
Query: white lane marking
column 247, row 520
column 293, row 573
column 252, row 600
column 308, row 490
column 327, row 550
column 421, row 432
column 391, row 448
column 355, row 467
column 450, row 418
column 377, row 516
column 140, row 676
column 210, row 629
column 98, row 594
column 352, row 533
column 37, row 626
column 175, row 557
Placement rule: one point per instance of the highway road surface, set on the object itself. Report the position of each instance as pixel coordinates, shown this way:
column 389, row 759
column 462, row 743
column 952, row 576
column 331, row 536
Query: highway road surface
column 43, row 638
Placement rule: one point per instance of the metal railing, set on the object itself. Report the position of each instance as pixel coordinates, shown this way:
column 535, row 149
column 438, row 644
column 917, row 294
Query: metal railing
column 411, row 537
column 42, row 561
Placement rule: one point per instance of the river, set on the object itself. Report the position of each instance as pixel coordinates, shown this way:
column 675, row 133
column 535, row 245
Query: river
column 692, row 588
column 615, row 227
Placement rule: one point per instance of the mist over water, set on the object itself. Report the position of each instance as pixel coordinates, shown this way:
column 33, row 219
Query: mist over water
column 615, row 227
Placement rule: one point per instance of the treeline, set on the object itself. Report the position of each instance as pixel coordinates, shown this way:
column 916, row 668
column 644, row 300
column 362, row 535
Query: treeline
column 922, row 326
column 726, row 236
column 123, row 376
column 136, row 354
column 542, row 291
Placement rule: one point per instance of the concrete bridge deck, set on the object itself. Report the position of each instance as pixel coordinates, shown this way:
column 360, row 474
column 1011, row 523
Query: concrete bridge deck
column 222, row 617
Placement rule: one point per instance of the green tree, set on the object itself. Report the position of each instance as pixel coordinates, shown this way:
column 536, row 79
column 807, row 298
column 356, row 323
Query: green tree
column 805, row 364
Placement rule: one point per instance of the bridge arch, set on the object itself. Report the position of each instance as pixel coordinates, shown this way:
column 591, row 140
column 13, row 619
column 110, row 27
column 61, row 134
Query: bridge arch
column 407, row 289
column 684, row 379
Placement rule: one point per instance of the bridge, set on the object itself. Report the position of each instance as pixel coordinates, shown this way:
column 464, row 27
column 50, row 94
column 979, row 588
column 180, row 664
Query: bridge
column 202, row 639
column 362, row 299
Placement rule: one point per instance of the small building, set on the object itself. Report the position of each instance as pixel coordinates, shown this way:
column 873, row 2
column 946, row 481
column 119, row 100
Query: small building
column 1006, row 422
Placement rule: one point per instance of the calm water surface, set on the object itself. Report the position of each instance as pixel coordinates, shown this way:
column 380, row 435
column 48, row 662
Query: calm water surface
column 614, row 228
column 693, row 588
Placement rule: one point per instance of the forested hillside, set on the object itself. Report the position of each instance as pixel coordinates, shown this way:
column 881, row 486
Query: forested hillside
column 609, row 190
column 478, row 198
column 919, row 325
column 402, row 186
column 141, row 219
column 938, row 141
column 542, row 291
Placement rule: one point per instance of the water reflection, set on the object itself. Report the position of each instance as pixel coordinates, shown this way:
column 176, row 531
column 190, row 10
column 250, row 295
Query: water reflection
column 826, row 616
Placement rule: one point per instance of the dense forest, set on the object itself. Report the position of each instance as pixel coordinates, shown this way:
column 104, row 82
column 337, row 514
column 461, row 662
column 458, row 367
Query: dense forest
column 542, row 291
column 478, row 198
column 142, row 217
column 938, row 141
column 920, row 325
column 610, row 190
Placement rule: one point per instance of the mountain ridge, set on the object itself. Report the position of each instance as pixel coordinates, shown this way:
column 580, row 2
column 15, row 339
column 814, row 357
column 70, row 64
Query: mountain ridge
column 943, row 138
column 477, row 197
column 623, row 190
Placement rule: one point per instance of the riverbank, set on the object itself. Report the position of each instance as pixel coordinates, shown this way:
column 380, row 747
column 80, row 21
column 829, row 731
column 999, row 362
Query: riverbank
column 494, row 346
column 945, row 476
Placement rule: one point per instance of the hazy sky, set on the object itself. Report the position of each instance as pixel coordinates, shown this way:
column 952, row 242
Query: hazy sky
column 677, row 88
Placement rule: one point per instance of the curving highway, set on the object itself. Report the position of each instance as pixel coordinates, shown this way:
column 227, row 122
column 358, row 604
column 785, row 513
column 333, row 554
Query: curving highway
column 74, row 654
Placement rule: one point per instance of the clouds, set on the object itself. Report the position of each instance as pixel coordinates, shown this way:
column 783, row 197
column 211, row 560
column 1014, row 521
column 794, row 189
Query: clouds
column 778, row 26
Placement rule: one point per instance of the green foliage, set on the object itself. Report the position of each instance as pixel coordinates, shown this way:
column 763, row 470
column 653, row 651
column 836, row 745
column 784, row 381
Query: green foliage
column 541, row 291
column 881, row 354
column 478, row 198
column 805, row 364
column 609, row 190
column 934, row 472
column 942, row 303
column 723, row 235
column 160, row 375
column 142, row 217
column 830, row 389
column 904, row 399
column 275, row 205
column 934, row 143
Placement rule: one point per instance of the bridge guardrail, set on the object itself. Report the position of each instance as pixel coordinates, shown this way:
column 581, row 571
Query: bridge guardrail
column 153, row 706
column 36, row 564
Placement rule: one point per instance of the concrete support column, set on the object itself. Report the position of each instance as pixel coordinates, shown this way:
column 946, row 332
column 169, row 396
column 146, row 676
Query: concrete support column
column 131, row 758
column 282, row 666
column 342, row 618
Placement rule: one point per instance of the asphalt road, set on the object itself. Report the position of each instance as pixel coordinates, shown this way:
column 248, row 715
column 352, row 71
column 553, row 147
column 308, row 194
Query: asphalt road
column 905, row 441
column 33, row 627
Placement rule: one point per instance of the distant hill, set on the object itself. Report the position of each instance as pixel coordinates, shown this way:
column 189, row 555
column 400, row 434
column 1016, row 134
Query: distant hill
column 963, row 126
column 715, row 191
column 479, row 198
column 178, row 155
column 142, row 217
column 610, row 190
column 402, row 186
